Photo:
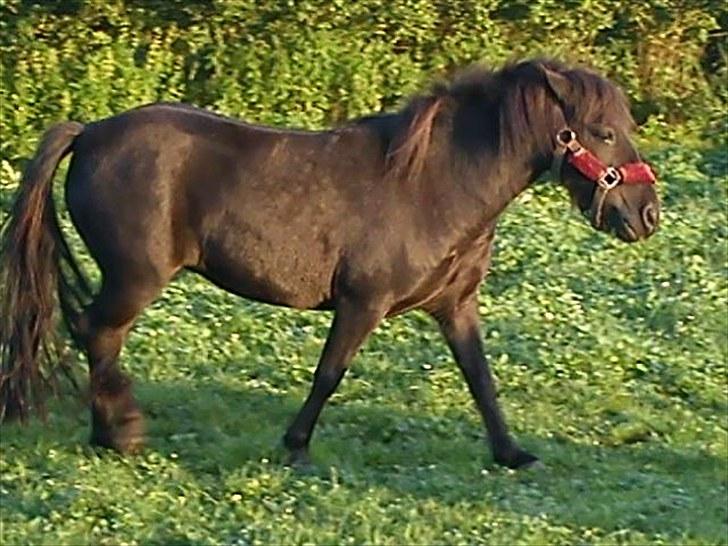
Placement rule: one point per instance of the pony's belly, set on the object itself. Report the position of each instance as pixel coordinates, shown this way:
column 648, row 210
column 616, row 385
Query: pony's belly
column 291, row 279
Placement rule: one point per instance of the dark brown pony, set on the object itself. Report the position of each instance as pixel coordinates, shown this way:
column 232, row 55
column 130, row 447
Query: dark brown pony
column 390, row 213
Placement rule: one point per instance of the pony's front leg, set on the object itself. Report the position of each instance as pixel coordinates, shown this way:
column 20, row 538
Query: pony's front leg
column 352, row 323
column 460, row 324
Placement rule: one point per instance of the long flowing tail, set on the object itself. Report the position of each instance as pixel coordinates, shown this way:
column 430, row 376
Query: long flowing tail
column 35, row 265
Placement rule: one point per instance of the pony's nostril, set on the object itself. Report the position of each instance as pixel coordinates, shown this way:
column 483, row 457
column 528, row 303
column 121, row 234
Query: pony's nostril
column 650, row 216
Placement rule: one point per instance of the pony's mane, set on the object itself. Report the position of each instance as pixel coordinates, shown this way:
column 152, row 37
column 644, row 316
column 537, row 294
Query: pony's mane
column 408, row 149
column 524, row 103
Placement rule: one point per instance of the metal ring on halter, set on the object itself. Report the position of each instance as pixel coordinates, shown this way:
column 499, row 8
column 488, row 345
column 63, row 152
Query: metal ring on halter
column 565, row 136
column 567, row 139
column 609, row 179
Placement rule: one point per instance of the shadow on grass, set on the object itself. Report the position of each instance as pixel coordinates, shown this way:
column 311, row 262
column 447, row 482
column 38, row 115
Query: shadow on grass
column 214, row 430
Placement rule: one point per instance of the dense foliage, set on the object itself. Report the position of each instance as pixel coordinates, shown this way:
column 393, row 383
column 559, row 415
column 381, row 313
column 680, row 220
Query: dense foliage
column 611, row 358
column 313, row 62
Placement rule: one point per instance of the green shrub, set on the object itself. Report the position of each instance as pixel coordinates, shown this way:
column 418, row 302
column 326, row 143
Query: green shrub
column 314, row 62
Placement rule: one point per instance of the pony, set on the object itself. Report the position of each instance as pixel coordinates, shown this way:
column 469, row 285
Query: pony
column 382, row 215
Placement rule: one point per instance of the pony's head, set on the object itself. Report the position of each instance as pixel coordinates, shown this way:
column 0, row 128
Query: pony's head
column 530, row 115
column 595, row 158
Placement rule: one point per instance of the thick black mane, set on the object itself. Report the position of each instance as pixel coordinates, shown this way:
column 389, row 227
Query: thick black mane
column 506, row 107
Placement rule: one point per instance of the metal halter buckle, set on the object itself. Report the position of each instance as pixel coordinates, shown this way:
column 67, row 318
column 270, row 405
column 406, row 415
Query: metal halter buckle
column 609, row 179
column 567, row 139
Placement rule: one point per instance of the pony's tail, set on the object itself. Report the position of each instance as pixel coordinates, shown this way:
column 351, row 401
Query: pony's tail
column 34, row 261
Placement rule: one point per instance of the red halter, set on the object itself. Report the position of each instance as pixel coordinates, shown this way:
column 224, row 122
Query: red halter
column 589, row 165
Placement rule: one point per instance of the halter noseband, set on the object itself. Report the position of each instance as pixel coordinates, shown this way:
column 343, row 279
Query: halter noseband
column 592, row 168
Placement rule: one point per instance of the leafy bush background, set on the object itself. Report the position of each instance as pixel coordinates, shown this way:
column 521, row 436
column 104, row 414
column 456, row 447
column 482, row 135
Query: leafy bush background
column 611, row 358
column 316, row 62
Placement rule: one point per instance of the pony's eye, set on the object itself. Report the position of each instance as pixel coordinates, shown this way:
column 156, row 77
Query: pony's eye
column 604, row 133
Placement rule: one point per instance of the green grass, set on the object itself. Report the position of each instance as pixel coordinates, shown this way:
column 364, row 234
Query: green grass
column 611, row 362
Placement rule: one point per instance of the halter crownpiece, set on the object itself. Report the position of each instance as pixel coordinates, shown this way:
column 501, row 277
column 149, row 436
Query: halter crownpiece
column 591, row 167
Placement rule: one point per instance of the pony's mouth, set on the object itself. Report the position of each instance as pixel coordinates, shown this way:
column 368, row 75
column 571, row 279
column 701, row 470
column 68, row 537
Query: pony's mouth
column 626, row 233
column 616, row 224
column 611, row 222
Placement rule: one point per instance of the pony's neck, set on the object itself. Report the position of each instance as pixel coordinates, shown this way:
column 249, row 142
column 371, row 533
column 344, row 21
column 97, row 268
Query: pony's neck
column 504, row 174
column 510, row 133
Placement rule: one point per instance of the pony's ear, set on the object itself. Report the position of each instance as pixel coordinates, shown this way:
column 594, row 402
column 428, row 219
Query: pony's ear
column 557, row 83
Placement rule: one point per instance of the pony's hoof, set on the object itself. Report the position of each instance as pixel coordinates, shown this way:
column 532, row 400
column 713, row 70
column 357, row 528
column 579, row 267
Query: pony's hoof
column 125, row 438
column 534, row 466
column 300, row 460
column 519, row 459
column 129, row 437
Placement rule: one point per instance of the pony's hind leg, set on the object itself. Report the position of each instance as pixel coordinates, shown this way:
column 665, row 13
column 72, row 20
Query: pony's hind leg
column 116, row 421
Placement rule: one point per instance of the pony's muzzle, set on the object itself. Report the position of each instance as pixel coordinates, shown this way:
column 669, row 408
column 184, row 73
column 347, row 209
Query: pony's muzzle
column 632, row 225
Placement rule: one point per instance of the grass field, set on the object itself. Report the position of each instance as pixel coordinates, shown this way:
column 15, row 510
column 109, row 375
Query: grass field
column 611, row 361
